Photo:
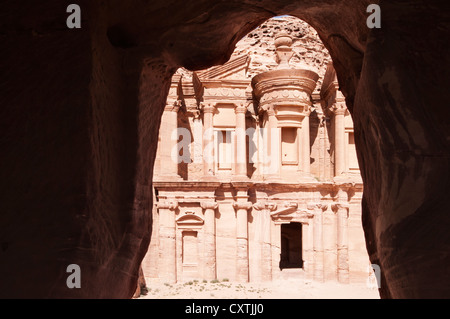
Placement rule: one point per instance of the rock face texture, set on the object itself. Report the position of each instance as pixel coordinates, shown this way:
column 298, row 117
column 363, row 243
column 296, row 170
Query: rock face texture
column 308, row 51
column 80, row 113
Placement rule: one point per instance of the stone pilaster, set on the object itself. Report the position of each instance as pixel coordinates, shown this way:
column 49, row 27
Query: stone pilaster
column 273, row 170
column 339, row 109
column 208, row 140
column 342, row 209
column 308, row 243
column 169, row 158
column 242, row 265
column 318, row 254
column 306, row 153
column 265, row 208
column 241, row 149
column 210, row 239
column 167, row 241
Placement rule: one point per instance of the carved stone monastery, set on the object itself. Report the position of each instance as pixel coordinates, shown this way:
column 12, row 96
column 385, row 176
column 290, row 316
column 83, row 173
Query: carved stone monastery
column 256, row 176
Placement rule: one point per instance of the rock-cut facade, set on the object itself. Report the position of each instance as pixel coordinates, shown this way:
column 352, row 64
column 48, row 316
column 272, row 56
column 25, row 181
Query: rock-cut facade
column 256, row 175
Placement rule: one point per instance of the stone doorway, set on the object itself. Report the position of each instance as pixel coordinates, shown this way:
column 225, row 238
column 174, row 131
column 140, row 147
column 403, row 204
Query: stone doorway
column 291, row 246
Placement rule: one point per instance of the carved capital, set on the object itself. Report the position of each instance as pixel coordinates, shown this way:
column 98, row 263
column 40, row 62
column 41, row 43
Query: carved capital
column 173, row 107
column 271, row 111
column 240, row 109
column 209, row 205
column 339, row 206
column 308, row 214
column 314, row 206
column 242, row 205
column 172, row 205
column 339, row 108
column 196, row 114
column 308, row 109
column 207, row 107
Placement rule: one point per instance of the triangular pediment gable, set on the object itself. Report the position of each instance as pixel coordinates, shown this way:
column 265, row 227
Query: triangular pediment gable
column 235, row 69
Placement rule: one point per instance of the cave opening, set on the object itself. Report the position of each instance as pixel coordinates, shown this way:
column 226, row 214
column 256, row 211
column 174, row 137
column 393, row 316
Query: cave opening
column 279, row 84
column 79, row 146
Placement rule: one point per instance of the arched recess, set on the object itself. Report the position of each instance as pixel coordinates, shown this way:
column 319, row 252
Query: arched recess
column 192, row 46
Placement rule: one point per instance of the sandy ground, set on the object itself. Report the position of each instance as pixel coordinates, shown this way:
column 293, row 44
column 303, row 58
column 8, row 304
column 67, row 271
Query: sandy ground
column 281, row 289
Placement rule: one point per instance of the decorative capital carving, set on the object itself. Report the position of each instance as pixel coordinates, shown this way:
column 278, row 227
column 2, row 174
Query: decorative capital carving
column 242, row 205
column 240, row 109
column 172, row 205
column 271, row 111
column 196, row 114
column 307, row 109
column 321, row 206
column 207, row 107
column 339, row 108
column 209, row 205
column 338, row 206
column 308, row 214
column 173, row 107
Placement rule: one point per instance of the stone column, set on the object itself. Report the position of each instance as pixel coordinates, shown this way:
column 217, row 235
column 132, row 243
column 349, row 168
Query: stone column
column 308, row 242
column 210, row 239
column 318, row 240
column 208, row 141
column 241, row 145
column 300, row 150
column 242, row 266
column 265, row 208
column 198, row 136
column 167, row 241
column 275, row 231
column 341, row 209
column 169, row 162
column 306, row 153
column 339, row 138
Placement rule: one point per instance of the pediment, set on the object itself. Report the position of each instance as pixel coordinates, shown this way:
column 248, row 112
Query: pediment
column 291, row 213
column 190, row 219
column 235, row 69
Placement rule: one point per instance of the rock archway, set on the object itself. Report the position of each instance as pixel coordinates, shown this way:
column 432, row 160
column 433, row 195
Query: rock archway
column 80, row 118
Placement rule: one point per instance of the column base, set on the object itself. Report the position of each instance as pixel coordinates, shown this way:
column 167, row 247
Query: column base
column 348, row 177
column 306, row 178
column 274, row 178
column 239, row 178
column 342, row 178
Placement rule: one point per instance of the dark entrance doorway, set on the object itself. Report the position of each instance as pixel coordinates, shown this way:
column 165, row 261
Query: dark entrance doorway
column 291, row 246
